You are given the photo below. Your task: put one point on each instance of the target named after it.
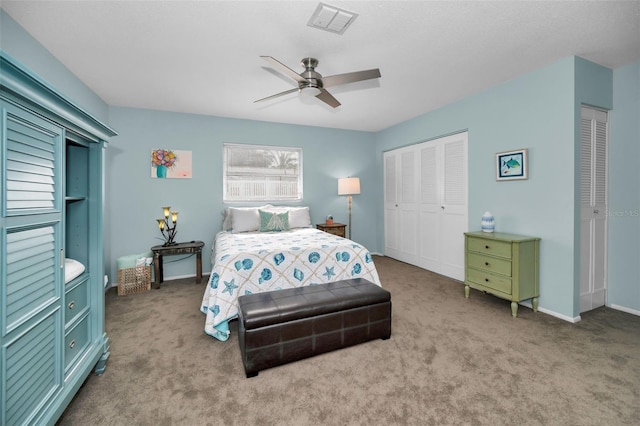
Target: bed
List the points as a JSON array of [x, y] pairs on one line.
[[247, 260]]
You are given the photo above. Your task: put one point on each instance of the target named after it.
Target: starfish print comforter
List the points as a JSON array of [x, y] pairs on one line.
[[252, 262]]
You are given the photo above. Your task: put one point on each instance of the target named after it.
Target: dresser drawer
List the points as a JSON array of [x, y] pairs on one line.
[[75, 342], [490, 281], [489, 264], [492, 247], [76, 300]]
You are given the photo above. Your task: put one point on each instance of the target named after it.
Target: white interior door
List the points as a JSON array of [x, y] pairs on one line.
[[430, 207], [454, 209], [425, 225], [594, 136], [391, 201], [401, 211]]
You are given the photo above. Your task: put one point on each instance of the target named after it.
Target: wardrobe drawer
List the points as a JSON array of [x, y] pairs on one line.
[[75, 342], [488, 246], [76, 300], [489, 264], [490, 281]]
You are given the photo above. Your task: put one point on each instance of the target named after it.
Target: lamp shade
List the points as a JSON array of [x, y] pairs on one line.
[[348, 186]]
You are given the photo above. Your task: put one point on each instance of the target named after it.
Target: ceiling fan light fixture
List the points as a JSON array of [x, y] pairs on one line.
[[311, 83], [310, 91]]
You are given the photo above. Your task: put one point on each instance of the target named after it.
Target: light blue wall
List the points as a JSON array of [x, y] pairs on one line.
[[624, 191], [22, 46], [536, 111], [135, 199]]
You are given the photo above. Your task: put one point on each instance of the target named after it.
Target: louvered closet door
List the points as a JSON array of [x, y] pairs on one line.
[[391, 221], [401, 205], [443, 204], [594, 130], [430, 215], [31, 293], [454, 208]]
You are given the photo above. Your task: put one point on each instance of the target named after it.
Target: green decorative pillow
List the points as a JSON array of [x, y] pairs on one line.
[[273, 221]]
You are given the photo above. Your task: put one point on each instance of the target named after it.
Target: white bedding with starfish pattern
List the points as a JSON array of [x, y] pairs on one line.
[[253, 262]]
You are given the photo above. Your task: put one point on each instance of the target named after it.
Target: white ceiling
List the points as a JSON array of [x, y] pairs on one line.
[[203, 57]]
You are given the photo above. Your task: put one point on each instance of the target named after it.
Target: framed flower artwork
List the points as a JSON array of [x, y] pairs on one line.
[[512, 165], [170, 164]]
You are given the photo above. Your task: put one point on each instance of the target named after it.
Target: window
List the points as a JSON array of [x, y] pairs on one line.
[[261, 173]]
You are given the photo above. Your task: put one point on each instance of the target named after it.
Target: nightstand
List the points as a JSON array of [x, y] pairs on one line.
[[505, 265], [194, 247], [338, 229]]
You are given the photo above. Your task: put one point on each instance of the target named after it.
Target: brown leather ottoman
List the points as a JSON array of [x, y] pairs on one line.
[[282, 326]]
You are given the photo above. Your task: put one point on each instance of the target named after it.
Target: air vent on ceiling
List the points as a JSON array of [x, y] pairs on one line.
[[331, 18]]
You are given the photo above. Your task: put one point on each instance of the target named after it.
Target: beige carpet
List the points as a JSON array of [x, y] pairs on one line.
[[450, 361]]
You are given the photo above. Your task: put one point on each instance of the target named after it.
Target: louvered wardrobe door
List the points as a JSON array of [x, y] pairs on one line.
[[31, 293]]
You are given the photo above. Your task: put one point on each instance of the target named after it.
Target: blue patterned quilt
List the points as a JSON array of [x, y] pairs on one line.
[[253, 262]]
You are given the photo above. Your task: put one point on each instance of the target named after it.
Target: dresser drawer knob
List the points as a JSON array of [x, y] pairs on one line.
[[487, 247], [486, 263], [72, 304], [486, 279], [72, 344]]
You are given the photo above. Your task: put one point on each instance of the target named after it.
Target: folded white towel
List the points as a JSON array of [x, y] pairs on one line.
[[72, 268]]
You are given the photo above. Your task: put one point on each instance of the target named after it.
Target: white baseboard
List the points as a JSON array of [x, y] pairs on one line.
[[561, 316], [578, 318], [625, 309]]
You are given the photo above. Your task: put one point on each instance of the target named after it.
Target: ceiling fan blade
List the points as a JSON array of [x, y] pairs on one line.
[[284, 69], [350, 77], [286, 92], [328, 98]]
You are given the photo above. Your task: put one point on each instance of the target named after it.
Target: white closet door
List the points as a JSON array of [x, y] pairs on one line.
[[429, 207], [391, 204], [426, 223], [593, 200], [454, 206], [401, 212], [408, 206]]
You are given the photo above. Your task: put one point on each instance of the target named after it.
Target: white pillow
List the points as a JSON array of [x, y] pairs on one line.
[[227, 222], [299, 217], [244, 220]]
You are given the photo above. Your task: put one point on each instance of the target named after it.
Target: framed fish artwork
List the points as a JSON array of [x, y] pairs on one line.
[[512, 165]]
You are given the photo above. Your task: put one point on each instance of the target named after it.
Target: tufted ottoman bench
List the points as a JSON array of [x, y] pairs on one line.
[[282, 326]]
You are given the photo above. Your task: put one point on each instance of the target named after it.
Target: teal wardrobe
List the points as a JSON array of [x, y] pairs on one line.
[[52, 333]]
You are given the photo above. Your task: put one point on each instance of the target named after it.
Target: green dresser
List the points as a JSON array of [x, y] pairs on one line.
[[505, 265]]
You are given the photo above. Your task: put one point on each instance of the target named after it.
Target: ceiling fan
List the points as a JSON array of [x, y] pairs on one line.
[[312, 83]]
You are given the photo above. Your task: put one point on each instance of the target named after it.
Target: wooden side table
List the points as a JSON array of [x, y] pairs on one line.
[[338, 229], [181, 248]]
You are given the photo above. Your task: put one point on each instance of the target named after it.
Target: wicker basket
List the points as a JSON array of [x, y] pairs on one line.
[[134, 280]]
